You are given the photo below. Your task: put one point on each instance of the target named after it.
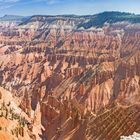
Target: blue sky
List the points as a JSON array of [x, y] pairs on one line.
[[79, 7]]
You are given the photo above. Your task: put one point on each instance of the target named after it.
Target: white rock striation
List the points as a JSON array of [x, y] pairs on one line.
[[135, 136]]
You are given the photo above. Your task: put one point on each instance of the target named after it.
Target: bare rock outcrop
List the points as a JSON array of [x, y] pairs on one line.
[[72, 82]]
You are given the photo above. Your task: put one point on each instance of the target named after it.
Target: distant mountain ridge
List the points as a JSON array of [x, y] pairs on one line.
[[13, 18], [10, 21], [82, 21], [88, 21], [110, 17]]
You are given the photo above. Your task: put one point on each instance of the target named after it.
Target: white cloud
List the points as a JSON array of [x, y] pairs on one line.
[[4, 4], [7, 3], [53, 1], [49, 1]]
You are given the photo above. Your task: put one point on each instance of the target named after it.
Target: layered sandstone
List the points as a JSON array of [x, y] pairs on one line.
[[73, 82]]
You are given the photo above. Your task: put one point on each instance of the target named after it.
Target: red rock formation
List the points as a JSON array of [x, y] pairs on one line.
[[70, 76]]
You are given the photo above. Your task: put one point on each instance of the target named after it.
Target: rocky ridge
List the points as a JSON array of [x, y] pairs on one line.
[[73, 81]]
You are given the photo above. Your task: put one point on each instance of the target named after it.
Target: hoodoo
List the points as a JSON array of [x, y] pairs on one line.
[[70, 77]]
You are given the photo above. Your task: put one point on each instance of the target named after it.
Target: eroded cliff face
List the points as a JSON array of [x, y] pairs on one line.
[[14, 123], [66, 79]]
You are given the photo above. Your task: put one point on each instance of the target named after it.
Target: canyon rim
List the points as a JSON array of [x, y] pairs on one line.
[[69, 77]]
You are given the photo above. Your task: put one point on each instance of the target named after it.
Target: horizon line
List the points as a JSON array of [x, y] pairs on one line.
[[69, 14]]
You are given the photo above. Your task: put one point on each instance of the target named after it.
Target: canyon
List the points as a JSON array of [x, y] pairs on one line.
[[68, 80]]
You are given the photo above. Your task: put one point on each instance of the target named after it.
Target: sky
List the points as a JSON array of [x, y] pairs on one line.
[[59, 7]]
